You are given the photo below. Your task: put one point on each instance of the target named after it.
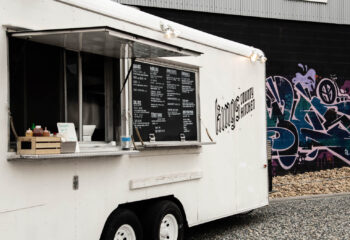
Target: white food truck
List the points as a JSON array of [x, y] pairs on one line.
[[165, 125]]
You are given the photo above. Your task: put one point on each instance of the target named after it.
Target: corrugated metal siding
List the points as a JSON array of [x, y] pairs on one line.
[[335, 11]]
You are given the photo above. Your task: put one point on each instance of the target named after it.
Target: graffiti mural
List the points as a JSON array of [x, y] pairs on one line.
[[308, 120]]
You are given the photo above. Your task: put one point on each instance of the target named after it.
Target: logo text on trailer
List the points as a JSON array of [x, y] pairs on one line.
[[230, 113]]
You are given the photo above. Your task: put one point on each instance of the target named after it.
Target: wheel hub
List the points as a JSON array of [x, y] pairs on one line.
[[125, 232], [169, 228]]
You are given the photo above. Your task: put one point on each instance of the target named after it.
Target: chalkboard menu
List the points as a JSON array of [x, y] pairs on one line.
[[164, 102]]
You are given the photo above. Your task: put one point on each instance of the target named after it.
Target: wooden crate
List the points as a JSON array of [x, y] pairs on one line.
[[38, 145]]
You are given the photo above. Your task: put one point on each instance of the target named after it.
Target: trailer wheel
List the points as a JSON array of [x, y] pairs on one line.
[[123, 225], [164, 221]]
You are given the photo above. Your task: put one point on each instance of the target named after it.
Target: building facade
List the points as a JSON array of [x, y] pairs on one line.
[[308, 69]]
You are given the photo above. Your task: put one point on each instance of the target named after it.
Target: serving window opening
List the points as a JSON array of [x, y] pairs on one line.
[[45, 89], [78, 76]]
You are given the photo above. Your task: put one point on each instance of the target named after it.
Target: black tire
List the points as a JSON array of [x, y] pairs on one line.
[[154, 215], [118, 219]]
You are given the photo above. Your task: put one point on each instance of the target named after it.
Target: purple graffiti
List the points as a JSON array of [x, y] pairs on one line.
[[308, 80], [308, 119]]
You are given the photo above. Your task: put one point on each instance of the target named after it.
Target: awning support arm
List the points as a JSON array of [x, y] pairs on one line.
[[127, 76]]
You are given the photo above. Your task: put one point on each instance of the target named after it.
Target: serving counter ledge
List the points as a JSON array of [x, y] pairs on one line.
[[15, 157], [175, 144]]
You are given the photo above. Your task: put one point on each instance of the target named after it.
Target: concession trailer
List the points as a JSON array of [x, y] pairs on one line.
[[150, 126]]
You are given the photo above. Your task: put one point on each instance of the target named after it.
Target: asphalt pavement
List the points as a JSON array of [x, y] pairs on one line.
[[322, 217]]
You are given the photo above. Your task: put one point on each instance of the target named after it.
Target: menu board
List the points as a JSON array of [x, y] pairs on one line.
[[164, 102]]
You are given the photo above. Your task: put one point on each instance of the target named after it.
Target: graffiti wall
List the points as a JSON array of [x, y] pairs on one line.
[[308, 121]]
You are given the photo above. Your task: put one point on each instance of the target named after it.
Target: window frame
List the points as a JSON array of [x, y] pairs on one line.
[[121, 124]]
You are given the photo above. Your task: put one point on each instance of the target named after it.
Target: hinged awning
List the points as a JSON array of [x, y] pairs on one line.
[[105, 41]]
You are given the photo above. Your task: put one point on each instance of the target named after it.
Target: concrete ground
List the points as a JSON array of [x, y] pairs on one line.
[[309, 217]]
